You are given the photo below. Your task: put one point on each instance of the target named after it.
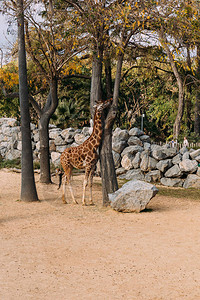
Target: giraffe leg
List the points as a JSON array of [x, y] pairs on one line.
[[85, 183], [63, 191], [71, 191], [91, 183], [69, 174]]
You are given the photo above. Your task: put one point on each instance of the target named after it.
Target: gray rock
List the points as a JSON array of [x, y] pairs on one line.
[[169, 152], [134, 140], [186, 155], [117, 159], [183, 150], [53, 133], [195, 153], [192, 180], [80, 138], [133, 196], [197, 158], [163, 165], [60, 148], [55, 157], [176, 182], [173, 172], [152, 163], [67, 132], [13, 154], [59, 141], [120, 135], [144, 162], [136, 131], [132, 150], [198, 171], [159, 154], [126, 161], [153, 176], [86, 131], [145, 138], [177, 159], [188, 166], [147, 146], [156, 147], [118, 146], [120, 171], [133, 174], [136, 160]]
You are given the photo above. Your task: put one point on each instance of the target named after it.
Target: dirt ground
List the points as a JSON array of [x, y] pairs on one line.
[[49, 250]]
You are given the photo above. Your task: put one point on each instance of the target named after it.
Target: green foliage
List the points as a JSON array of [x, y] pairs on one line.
[[74, 105], [14, 163]]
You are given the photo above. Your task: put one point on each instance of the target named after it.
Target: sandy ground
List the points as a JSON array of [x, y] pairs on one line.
[[49, 250]]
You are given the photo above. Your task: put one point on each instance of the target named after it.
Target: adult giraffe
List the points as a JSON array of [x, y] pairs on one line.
[[84, 156]]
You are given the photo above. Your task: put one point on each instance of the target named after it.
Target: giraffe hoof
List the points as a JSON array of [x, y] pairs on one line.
[[91, 203], [84, 204]]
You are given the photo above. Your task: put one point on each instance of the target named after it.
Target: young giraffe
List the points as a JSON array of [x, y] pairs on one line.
[[84, 156]]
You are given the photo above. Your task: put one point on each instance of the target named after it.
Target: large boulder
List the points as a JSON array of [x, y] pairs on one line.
[[173, 172], [120, 135], [188, 166], [195, 153], [192, 180], [133, 196], [132, 150], [126, 161], [163, 165], [133, 174], [134, 140], [80, 138], [136, 131], [158, 154], [136, 160], [176, 182], [177, 159], [153, 176], [55, 157], [118, 146]]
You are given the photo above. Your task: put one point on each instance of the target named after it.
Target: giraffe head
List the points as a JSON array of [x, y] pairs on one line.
[[101, 105]]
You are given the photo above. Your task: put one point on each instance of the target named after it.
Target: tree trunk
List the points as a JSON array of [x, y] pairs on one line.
[[45, 174], [96, 88], [179, 116], [197, 103], [108, 175], [28, 188], [109, 178], [49, 109], [108, 77]]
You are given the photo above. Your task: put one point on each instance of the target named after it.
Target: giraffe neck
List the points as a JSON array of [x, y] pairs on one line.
[[96, 135]]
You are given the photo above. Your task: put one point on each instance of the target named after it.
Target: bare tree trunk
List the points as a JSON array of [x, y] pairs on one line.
[[197, 103], [96, 88], [28, 188], [109, 178], [179, 116], [108, 77], [49, 109]]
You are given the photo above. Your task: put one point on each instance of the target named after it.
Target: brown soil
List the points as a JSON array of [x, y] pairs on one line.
[[49, 250]]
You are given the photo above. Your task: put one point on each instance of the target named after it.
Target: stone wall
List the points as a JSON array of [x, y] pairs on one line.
[[134, 155]]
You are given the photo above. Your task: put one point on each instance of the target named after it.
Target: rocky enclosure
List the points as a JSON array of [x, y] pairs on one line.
[[135, 156]]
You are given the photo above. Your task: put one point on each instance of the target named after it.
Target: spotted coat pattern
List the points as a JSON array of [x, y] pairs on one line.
[[84, 156]]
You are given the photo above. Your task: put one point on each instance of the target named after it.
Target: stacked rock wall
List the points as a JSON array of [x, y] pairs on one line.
[[134, 155]]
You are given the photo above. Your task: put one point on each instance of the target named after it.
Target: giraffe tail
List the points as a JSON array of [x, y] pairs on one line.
[[60, 174]]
